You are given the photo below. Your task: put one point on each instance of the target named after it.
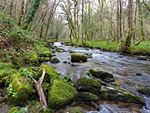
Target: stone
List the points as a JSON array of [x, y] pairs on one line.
[[145, 91], [76, 110], [78, 57], [37, 107], [120, 94], [60, 94], [105, 76], [88, 85], [55, 60], [86, 96]]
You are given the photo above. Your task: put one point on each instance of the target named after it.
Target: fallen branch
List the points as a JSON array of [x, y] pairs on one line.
[[137, 43], [38, 86]]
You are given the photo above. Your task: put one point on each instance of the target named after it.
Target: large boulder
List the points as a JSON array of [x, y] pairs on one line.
[[76, 110], [37, 107], [120, 94], [78, 57], [60, 93], [18, 91], [88, 85], [43, 59], [145, 91], [86, 96], [50, 74], [105, 76]]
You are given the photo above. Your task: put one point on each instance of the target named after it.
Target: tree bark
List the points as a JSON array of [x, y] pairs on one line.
[[38, 86]]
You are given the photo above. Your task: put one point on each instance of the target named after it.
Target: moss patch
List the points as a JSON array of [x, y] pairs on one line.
[[86, 96], [37, 107], [46, 54], [76, 110], [50, 75], [145, 91], [31, 58], [18, 90], [60, 94]]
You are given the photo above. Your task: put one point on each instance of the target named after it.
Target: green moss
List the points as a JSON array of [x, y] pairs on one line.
[[78, 57], [50, 75], [105, 76], [88, 85], [18, 90], [120, 94], [60, 94], [37, 107], [46, 54], [145, 91], [76, 110], [31, 58], [86, 96], [13, 110], [43, 59], [55, 60]]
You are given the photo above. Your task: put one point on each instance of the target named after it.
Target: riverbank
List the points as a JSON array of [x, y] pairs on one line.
[[142, 49]]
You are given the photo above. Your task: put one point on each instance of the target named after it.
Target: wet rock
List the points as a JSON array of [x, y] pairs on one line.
[[65, 62], [88, 85], [89, 55], [139, 74], [46, 54], [72, 52], [76, 110], [55, 60], [142, 58], [86, 96], [37, 107], [105, 76], [78, 58], [86, 49], [2, 99], [145, 91], [120, 94], [43, 59], [60, 94]]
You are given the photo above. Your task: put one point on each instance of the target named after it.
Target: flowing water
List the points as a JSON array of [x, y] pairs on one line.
[[129, 72]]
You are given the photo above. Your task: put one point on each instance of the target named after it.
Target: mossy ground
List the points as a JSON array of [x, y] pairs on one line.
[[142, 49]]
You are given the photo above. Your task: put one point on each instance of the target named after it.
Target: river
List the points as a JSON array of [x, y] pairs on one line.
[[129, 73]]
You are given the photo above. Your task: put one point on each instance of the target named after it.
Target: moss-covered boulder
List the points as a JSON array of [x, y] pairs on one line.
[[50, 74], [120, 94], [88, 85], [37, 107], [78, 57], [145, 91], [60, 93], [55, 60], [86, 96], [43, 59], [46, 54], [76, 110], [31, 58], [18, 90], [105, 76]]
